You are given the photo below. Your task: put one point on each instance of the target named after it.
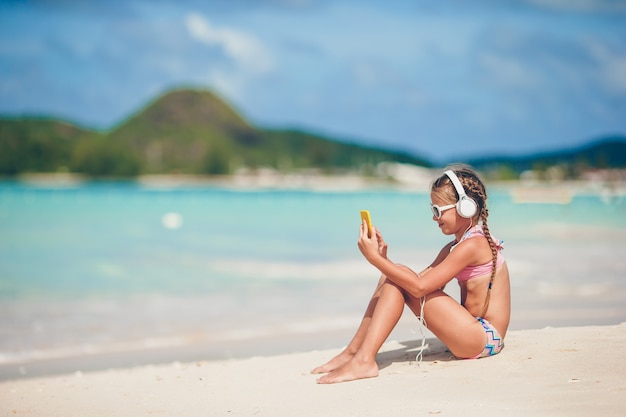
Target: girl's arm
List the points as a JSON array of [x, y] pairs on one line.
[[445, 267]]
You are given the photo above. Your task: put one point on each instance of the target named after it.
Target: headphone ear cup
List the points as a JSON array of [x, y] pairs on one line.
[[466, 207]]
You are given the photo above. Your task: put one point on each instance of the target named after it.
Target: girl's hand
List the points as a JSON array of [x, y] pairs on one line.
[[382, 245], [371, 246]]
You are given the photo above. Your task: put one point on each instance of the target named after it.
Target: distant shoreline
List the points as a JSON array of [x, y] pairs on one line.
[[522, 191]]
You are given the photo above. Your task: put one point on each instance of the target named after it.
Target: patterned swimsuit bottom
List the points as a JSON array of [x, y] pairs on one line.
[[494, 341]]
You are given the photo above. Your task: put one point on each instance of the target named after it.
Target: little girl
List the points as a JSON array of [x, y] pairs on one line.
[[473, 328]]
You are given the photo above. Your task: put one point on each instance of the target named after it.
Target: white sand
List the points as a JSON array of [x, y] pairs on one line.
[[577, 371]]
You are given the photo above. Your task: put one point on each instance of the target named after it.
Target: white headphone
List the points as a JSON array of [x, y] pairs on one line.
[[466, 207]]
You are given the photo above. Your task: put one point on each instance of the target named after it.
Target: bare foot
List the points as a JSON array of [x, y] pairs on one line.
[[351, 371], [336, 362]]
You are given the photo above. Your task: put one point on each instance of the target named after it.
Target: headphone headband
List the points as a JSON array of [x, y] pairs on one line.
[[457, 184], [466, 207]]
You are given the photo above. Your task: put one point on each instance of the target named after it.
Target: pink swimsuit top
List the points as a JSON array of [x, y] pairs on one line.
[[472, 271]]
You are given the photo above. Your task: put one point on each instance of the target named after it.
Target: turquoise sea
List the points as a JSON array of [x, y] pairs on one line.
[[105, 268]]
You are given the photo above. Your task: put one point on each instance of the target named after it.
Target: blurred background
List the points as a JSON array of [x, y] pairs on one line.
[[443, 80], [181, 180]]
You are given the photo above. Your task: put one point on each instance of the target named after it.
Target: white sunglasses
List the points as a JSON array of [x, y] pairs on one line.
[[438, 211]]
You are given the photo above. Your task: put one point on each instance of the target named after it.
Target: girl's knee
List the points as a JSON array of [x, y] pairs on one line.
[[382, 280]]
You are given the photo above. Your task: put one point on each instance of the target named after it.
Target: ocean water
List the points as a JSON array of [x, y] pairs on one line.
[[116, 267]]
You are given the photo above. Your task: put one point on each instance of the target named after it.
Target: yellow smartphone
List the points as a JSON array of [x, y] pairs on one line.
[[365, 215]]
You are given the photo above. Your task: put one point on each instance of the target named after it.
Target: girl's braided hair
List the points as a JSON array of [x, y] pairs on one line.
[[475, 189]]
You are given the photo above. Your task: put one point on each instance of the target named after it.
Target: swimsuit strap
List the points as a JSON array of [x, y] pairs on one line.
[[473, 231], [477, 231]]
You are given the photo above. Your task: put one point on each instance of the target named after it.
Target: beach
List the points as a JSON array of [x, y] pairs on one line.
[[125, 299], [567, 371]]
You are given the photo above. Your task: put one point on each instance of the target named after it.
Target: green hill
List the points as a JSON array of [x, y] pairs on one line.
[[604, 153], [195, 132], [38, 145], [183, 131]]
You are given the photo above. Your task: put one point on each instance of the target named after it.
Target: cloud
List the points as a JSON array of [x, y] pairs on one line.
[[611, 67], [245, 50], [236, 59], [507, 71]]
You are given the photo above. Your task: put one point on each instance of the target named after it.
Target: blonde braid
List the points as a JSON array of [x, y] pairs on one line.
[[494, 253], [476, 190]]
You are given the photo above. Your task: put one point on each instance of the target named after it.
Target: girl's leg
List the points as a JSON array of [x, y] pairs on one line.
[[357, 340], [451, 323], [385, 315]]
